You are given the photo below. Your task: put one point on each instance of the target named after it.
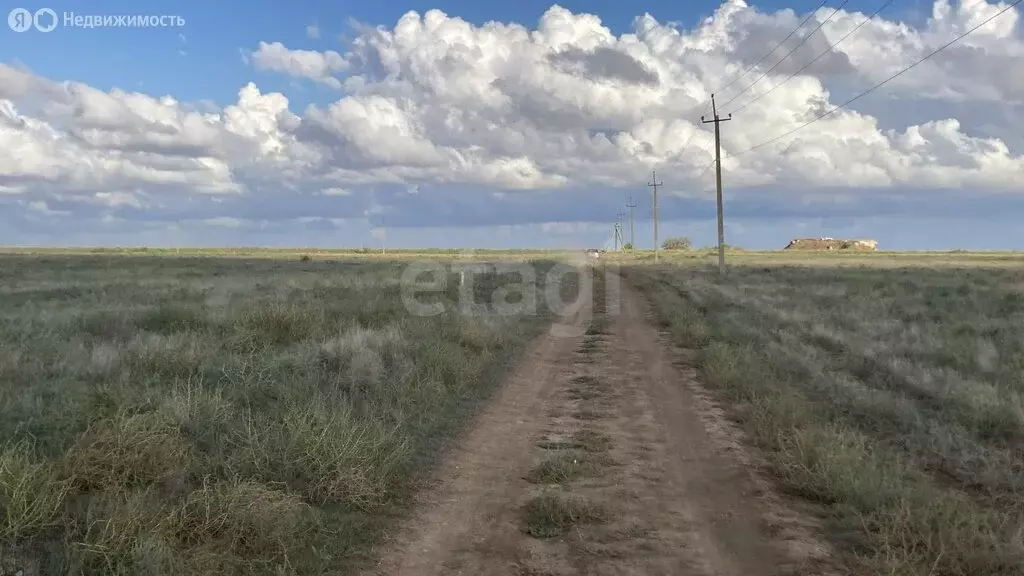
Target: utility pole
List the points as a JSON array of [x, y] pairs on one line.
[[632, 240], [718, 182], [654, 184], [618, 228]]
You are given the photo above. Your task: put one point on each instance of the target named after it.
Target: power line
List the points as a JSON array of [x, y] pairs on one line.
[[880, 84], [788, 36], [788, 54], [818, 57], [706, 106], [709, 165], [747, 71]]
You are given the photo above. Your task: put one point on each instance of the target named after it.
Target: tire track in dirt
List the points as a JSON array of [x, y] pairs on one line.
[[696, 483], [469, 522], [680, 495]]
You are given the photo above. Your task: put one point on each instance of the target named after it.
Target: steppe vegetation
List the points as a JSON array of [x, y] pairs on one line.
[[888, 389], [273, 412], [204, 415]]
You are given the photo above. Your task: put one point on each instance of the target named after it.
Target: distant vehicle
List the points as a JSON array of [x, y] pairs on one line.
[[593, 252]]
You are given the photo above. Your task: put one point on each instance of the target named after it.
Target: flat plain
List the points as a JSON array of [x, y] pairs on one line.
[[202, 415], [282, 412], [887, 389]]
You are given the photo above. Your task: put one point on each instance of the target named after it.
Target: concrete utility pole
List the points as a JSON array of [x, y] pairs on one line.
[[618, 228], [654, 184], [718, 182], [632, 240]]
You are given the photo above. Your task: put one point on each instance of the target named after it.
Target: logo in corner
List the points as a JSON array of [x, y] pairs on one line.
[[45, 25], [20, 20]]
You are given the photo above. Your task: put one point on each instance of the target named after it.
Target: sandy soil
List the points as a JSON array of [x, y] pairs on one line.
[[682, 496]]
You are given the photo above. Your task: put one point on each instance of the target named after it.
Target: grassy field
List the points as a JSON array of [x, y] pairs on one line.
[[886, 388], [813, 258], [310, 253], [202, 415]]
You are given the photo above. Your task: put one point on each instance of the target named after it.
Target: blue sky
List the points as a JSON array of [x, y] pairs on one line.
[[215, 32], [931, 163]]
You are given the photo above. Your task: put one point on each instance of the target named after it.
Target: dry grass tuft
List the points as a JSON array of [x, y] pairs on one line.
[[32, 493], [563, 466], [552, 513], [242, 523], [127, 451]]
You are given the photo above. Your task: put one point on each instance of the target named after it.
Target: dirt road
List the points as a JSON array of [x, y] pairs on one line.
[[652, 480]]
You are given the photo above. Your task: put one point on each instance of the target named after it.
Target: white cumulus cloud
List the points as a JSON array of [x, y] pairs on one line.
[[435, 101], [318, 66]]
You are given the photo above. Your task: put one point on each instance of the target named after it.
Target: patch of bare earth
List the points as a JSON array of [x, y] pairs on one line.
[[665, 483]]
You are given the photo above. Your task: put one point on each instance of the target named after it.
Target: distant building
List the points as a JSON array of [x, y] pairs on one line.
[[831, 244], [869, 244]]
